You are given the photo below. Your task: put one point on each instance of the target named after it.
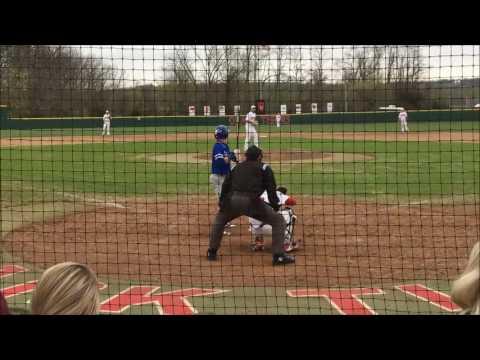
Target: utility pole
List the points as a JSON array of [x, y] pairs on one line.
[[345, 90], [345, 96]]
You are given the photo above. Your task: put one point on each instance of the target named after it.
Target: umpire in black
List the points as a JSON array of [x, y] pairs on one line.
[[240, 195]]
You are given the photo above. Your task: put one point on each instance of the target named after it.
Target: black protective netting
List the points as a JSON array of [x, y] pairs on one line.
[[376, 147]]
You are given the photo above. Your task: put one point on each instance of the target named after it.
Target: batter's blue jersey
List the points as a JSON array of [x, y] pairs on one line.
[[219, 166]]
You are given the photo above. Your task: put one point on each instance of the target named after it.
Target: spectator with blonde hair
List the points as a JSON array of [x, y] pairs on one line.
[[66, 289], [466, 289]]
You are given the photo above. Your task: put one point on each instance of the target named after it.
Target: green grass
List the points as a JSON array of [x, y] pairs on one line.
[[371, 127], [33, 177], [398, 168]]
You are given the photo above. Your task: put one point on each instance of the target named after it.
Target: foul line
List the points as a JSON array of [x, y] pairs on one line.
[[112, 204], [415, 203]]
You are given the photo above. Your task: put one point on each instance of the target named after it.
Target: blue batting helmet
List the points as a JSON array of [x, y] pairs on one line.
[[221, 132]]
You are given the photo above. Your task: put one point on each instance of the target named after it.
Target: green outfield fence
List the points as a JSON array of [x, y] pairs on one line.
[[7, 122], [387, 207]]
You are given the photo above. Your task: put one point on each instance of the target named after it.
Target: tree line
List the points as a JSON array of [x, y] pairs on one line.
[[44, 80], [41, 80]]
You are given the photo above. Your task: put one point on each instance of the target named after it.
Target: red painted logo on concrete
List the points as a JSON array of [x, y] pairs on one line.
[[19, 289], [436, 298], [9, 269], [167, 303], [346, 301]]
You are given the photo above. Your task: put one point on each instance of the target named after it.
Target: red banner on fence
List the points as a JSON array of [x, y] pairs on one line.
[[260, 106]]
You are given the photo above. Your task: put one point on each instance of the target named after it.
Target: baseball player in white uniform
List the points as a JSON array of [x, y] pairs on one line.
[[251, 135], [278, 118], [402, 117], [107, 118], [260, 229]]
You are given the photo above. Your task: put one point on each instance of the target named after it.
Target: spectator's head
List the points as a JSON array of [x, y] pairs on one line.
[[466, 289], [253, 153], [66, 289], [282, 189]]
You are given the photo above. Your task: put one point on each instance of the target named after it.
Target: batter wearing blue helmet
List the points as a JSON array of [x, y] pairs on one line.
[[221, 160], [221, 157]]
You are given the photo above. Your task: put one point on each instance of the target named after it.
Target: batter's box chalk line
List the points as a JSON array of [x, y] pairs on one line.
[[90, 200]]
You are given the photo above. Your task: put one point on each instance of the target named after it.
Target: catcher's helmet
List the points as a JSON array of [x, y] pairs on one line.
[[221, 132]]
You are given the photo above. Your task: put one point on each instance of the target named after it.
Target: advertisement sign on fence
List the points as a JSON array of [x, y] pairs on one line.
[[314, 108], [221, 110], [298, 108], [283, 109], [206, 110], [329, 107], [191, 110], [236, 109]]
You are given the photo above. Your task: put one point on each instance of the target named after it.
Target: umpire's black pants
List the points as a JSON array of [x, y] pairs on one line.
[[238, 204]]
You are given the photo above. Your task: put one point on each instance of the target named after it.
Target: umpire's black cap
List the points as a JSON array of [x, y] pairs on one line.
[[253, 153]]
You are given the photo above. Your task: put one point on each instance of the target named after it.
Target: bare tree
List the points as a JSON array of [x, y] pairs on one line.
[[231, 73], [54, 80], [255, 68], [391, 59], [402, 64], [408, 73], [363, 64], [181, 65], [376, 64], [318, 75], [211, 60], [279, 53], [279, 74], [248, 60]]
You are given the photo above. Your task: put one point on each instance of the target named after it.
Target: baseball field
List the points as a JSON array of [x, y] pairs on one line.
[[386, 219]]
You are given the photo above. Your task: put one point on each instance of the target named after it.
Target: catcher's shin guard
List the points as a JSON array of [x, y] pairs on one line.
[[290, 244]]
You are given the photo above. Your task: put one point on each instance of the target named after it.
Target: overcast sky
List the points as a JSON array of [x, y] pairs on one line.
[[145, 64]]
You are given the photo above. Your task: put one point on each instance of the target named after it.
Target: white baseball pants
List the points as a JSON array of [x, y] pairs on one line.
[[217, 181], [106, 128], [251, 138]]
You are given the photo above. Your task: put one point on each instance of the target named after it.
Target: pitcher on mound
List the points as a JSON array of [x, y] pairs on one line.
[[251, 124]]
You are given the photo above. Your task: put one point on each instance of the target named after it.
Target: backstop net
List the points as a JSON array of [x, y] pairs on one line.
[[375, 149]]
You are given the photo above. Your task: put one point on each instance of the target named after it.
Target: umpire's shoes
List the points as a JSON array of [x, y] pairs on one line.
[[283, 259], [212, 254]]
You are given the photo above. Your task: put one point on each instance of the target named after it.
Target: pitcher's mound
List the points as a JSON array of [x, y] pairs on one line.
[[288, 156]]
